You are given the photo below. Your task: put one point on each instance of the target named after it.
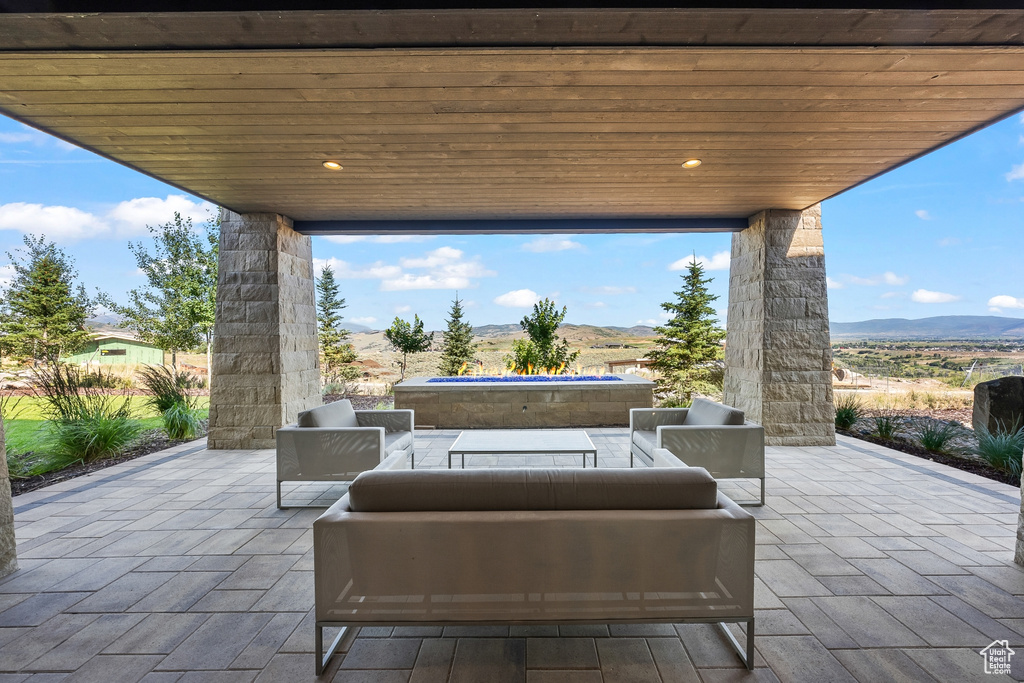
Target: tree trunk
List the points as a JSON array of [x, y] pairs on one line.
[[174, 360]]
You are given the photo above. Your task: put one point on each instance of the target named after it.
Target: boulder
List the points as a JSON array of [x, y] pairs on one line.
[[998, 404]]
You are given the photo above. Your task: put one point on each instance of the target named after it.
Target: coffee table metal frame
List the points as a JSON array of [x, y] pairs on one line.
[[522, 442]]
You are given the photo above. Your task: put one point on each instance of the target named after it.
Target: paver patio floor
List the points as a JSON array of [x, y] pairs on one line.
[[871, 565]]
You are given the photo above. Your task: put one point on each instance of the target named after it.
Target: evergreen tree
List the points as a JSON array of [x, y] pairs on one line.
[[542, 352], [42, 319], [175, 310], [691, 339], [459, 348], [335, 348], [408, 338]]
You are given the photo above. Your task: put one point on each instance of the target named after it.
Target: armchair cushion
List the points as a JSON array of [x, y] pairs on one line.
[[337, 414], [397, 441], [645, 440], [705, 412]]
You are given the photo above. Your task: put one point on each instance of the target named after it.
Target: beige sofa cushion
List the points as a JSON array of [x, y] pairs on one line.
[[682, 488], [338, 415], [705, 412]]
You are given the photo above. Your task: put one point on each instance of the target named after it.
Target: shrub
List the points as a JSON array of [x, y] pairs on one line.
[[886, 424], [106, 380], [848, 410], [935, 435], [1003, 448], [67, 398], [167, 387], [182, 422], [92, 437]]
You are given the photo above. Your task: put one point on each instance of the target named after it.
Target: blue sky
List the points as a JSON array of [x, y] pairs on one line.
[[939, 236]]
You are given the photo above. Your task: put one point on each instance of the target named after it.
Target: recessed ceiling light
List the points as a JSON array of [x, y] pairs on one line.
[[691, 163], [335, 166]]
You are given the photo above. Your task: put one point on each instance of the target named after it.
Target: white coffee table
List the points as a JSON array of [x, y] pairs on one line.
[[522, 442]]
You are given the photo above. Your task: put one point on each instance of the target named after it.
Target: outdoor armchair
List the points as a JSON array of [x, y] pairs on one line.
[[708, 434], [333, 442]]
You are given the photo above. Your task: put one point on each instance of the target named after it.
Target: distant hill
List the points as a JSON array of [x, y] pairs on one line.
[[938, 327], [567, 331]]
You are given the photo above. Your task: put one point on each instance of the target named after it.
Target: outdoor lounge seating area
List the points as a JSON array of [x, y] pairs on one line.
[[870, 565], [333, 442], [707, 434], [530, 547]]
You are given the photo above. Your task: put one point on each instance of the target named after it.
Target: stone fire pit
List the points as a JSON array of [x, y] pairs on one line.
[[476, 402]]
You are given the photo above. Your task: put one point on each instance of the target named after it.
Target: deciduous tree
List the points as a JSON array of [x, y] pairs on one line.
[[175, 309], [408, 338], [542, 352]]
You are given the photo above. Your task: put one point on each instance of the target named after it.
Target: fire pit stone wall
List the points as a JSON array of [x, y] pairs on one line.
[[517, 404]]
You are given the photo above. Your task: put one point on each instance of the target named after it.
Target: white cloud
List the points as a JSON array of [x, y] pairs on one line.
[[1016, 173], [403, 309], [833, 284], [59, 223], [596, 304], [129, 218], [409, 281], [923, 214], [894, 279], [650, 322], [608, 289], [14, 138], [924, 296], [518, 298], [888, 278], [949, 241], [364, 320], [546, 244], [433, 259], [445, 268], [892, 295], [1006, 301], [344, 269], [132, 217], [720, 261]]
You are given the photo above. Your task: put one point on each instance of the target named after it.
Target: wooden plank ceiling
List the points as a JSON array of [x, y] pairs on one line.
[[477, 133]]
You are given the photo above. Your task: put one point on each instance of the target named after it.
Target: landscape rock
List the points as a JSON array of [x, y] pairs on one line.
[[999, 404]]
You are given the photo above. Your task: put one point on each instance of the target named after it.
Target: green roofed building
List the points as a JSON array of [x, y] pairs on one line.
[[117, 348]]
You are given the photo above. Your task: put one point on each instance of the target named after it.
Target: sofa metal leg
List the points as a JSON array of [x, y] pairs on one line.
[[322, 659], [279, 495], [762, 491], [746, 653]]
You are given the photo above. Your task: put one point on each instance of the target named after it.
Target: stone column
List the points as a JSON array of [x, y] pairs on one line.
[[266, 366], [8, 551], [778, 359], [1018, 554]]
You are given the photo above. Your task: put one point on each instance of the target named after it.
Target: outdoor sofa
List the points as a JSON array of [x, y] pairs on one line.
[[533, 546], [333, 442], [707, 434]]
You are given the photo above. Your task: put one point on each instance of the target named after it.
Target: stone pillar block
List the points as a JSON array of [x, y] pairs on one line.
[[778, 355], [265, 361], [8, 550]]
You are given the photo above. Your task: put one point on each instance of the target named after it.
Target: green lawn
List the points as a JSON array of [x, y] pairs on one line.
[[26, 433]]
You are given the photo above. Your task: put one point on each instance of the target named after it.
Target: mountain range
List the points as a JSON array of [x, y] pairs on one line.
[[938, 327]]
